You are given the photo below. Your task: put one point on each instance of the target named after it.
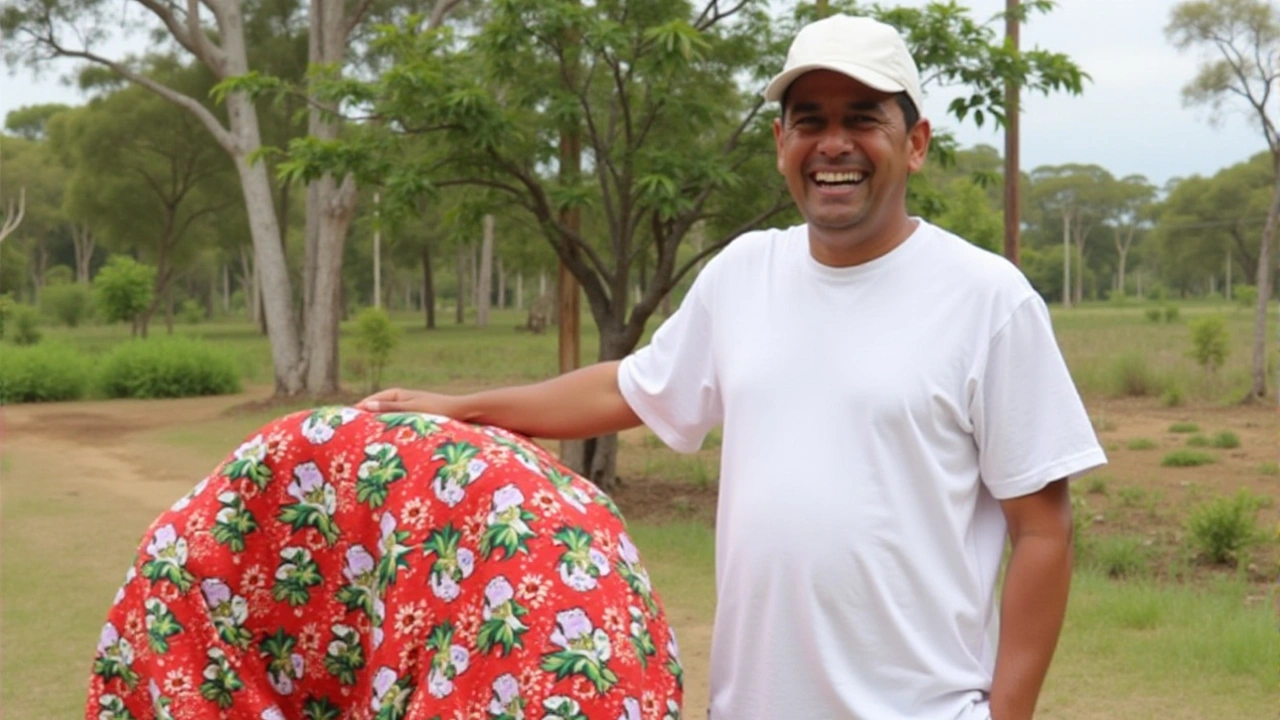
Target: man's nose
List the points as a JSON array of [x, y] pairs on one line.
[[835, 141]]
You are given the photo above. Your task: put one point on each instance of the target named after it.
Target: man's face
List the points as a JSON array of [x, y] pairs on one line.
[[845, 152]]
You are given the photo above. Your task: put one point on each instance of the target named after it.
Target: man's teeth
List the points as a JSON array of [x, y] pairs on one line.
[[843, 177]]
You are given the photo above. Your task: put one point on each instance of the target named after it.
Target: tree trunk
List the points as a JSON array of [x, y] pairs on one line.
[[519, 291], [1066, 260], [226, 288], [428, 287], [483, 289], [1258, 390], [460, 311], [501, 299], [82, 244]]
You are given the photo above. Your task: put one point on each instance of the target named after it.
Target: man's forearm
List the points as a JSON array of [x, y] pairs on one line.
[[1032, 609], [580, 404]]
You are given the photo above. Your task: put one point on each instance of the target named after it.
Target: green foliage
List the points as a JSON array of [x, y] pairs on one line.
[[124, 288], [1132, 376], [1187, 458], [190, 312], [1198, 441], [1153, 314], [1246, 296], [71, 303], [1269, 468], [167, 368], [1142, 444], [26, 325], [1225, 440], [1119, 556], [7, 307], [1096, 485], [1172, 396], [46, 373], [376, 338], [1170, 313], [1184, 427], [1222, 529], [1131, 496], [1210, 342]]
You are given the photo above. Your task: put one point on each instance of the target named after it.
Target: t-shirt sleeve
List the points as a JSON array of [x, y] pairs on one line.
[[1030, 424], [671, 382]]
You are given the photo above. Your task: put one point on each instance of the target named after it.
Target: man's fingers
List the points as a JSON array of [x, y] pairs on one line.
[[385, 401]]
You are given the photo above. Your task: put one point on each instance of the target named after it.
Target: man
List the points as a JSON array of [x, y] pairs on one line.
[[893, 402]]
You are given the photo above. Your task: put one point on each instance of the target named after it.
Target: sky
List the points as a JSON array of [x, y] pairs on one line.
[[1129, 120]]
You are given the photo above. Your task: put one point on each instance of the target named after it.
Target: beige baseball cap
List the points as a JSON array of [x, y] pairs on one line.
[[866, 50]]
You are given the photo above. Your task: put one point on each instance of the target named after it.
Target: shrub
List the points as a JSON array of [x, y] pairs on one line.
[[190, 312], [1172, 396], [1119, 556], [1210, 342], [1142, 444], [167, 368], [1170, 313], [1153, 314], [1198, 441], [7, 306], [1246, 296], [1131, 376], [1269, 467], [1186, 458], [1223, 528], [1226, 440], [376, 337], [41, 374], [70, 304], [1184, 427], [1131, 496], [26, 325], [124, 289], [1096, 485]]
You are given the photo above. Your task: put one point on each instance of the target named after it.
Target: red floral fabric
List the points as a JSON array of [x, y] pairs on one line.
[[347, 565]]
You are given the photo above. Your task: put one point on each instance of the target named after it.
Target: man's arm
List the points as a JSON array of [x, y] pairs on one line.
[[580, 404], [1035, 598]]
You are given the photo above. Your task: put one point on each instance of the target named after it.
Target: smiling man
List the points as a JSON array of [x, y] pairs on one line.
[[894, 406]]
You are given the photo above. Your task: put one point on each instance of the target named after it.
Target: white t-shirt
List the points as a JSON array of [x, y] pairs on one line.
[[872, 416]]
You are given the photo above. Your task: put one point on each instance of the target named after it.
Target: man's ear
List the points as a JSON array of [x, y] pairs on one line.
[[918, 138]]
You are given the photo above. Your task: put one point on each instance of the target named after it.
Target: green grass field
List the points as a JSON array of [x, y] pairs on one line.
[[1135, 648]]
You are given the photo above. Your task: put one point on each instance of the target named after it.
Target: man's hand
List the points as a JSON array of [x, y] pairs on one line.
[[400, 400]]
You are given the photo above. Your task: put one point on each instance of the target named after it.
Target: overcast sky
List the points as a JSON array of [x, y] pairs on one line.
[[1129, 120]]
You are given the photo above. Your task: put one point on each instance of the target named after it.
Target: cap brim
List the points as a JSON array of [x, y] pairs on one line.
[[872, 79]]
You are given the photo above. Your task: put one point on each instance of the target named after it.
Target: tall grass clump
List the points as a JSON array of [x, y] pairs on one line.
[[1118, 556], [24, 324], [1132, 376], [1224, 528], [1187, 458], [167, 368], [70, 304], [41, 373]]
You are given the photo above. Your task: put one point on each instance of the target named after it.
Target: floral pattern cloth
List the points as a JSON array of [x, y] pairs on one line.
[[342, 564]]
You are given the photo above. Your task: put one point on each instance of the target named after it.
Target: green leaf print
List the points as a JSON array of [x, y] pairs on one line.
[[296, 573], [567, 662], [161, 625], [257, 472], [220, 681], [394, 557], [233, 522], [320, 709], [499, 633], [562, 707], [422, 425], [278, 646], [113, 708], [299, 516], [382, 466], [344, 657], [507, 538], [114, 667]]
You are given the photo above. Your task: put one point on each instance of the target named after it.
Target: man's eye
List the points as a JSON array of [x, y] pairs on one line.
[[809, 121]]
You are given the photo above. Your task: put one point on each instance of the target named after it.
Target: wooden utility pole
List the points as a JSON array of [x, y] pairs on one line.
[[1012, 163]]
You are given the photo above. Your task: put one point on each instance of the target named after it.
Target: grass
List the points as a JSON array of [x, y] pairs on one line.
[[1142, 444], [1187, 458], [1184, 427]]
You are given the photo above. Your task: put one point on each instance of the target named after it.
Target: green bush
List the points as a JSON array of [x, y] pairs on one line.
[[1223, 528], [26, 325], [1246, 296], [1172, 396], [1198, 440], [69, 304], [1142, 444], [167, 368], [1119, 556], [190, 312], [1154, 314], [1226, 440], [124, 288], [1210, 342], [1186, 458], [376, 337], [41, 374], [7, 307], [1170, 313], [1132, 376], [1184, 427]]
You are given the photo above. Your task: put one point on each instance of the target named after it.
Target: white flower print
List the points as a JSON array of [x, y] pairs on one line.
[[506, 694], [630, 709]]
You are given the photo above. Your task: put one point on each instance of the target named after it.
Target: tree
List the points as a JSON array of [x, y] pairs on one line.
[[1242, 65], [31, 121], [1077, 194], [124, 289], [1131, 200], [674, 132], [147, 193]]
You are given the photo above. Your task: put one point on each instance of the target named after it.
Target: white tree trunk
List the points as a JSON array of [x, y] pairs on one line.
[[501, 298], [1066, 260], [519, 291]]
